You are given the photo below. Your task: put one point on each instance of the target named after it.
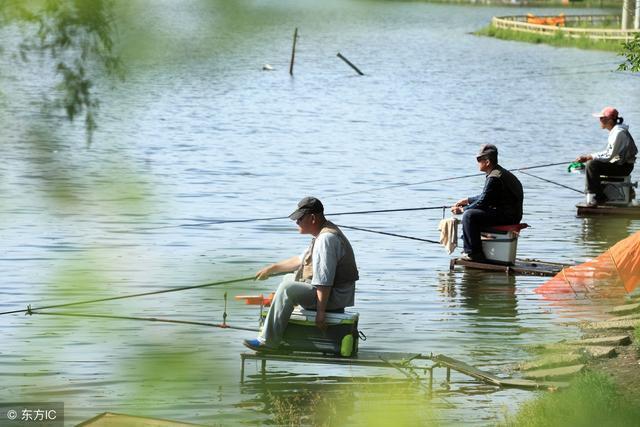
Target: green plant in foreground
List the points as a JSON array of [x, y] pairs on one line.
[[592, 399]]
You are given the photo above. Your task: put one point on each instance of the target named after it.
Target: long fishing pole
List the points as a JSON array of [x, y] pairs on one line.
[[430, 181], [388, 234], [147, 319], [163, 291], [224, 221], [553, 182]]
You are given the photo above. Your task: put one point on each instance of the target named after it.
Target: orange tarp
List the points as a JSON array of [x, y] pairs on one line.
[[558, 21], [617, 270]]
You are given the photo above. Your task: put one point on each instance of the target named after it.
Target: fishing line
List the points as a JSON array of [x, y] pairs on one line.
[[148, 319], [388, 234], [164, 291], [553, 182], [406, 184]]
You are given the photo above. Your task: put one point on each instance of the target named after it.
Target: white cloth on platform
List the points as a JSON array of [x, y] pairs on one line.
[[449, 233]]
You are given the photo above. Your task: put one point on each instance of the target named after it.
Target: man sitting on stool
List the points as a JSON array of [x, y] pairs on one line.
[[499, 204], [325, 277], [617, 159]]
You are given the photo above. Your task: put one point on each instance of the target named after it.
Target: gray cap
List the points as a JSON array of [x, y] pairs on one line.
[[306, 206], [487, 150]]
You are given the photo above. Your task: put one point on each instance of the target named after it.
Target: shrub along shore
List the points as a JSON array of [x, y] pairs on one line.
[[557, 40]]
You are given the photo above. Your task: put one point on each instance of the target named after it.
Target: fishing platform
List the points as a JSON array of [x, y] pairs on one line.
[[527, 267], [632, 211], [620, 194], [500, 244], [410, 364]]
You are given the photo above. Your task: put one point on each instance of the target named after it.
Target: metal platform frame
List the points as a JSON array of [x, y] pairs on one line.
[[529, 267], [403, 362]]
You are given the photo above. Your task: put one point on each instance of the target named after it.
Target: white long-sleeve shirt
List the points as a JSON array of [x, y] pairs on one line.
[[618, 149]]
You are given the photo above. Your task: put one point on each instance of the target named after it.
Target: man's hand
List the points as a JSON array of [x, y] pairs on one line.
[[457, 209], [264, 273], [584, 158]]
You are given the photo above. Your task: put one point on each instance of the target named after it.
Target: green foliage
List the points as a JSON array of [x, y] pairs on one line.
[[631, 52], [362, 404], [591, 400], [77, 37], [558, 39]]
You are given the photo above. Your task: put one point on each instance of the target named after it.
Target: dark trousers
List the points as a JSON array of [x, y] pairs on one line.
[[596, 168], [474, 220]]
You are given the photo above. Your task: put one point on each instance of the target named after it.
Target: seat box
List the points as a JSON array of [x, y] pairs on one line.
[[302, 334], [617, 189], [500, 246]]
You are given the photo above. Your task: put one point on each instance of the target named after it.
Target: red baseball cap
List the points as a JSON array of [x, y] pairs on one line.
[[608, 112]]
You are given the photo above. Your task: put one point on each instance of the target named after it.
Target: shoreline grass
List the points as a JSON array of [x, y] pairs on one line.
[[592, 399], [556, 40]]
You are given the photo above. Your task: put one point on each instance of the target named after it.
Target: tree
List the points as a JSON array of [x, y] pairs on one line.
[[77, 36], [631, 52]]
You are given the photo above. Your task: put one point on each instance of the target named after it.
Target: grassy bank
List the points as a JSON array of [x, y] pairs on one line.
[[558, 39], [592, 400]]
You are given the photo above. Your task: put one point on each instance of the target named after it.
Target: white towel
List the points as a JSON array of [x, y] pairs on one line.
[[449, 233]]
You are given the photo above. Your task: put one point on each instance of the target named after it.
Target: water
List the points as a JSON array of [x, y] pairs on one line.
[[199, 132]]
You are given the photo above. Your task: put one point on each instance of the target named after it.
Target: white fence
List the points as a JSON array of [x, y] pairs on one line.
[[519, 23]]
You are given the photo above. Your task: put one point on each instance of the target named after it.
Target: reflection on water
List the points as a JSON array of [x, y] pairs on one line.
[[599, 233]]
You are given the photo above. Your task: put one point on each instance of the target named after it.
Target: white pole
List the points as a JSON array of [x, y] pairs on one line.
[[625, 14], [636, 18]]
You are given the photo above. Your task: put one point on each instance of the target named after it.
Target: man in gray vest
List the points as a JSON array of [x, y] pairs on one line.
[[325, 276]]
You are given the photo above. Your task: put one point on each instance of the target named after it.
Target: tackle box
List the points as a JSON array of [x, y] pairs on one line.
[[302, 334]]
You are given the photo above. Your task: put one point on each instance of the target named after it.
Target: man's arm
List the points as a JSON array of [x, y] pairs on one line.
[[285, 266], [489, 196]]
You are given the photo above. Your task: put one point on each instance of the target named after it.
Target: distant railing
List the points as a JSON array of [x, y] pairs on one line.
[[572, 29]]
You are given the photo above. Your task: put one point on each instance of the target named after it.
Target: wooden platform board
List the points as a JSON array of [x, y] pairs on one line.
[[608, 210], [530, 267]]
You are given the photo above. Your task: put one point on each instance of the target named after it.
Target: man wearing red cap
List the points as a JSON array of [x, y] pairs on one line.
[[617, 159]]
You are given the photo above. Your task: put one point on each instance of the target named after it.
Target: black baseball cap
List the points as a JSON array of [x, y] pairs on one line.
[[306, 206], [487, 151]]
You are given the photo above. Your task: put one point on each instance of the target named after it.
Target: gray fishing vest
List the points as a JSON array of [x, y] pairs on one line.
[[346, 269]]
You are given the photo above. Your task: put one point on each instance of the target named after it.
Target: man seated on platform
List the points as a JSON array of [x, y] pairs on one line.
[[618, 159], [324, 280], [499, 204]]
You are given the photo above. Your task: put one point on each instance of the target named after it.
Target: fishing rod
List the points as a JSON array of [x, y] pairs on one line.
[[225, 221], [553, 182], [163, 291], [388, 234], [430, 181], [147, 319]]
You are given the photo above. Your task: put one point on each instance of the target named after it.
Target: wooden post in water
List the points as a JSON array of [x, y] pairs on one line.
[[293, 51], [350, 64]]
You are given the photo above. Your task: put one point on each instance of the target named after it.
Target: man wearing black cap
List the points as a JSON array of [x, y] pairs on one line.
[[325, 275], [499, 204]]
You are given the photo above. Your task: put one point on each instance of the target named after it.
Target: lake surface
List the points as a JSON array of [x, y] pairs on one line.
[[198, 132]]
